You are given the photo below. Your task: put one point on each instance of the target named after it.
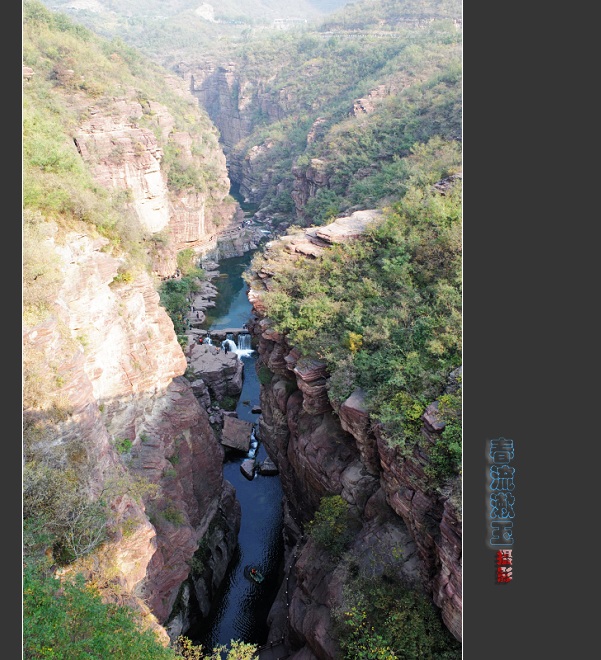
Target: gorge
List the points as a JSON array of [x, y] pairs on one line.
[[164, 209]]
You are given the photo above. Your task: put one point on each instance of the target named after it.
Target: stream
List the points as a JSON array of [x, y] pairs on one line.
[[241, 606]]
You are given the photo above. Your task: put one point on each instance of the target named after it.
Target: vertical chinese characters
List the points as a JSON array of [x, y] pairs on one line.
[[502, 503]]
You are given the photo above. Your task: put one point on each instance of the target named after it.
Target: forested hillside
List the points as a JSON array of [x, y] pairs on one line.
[[369, 100], [170, 30]]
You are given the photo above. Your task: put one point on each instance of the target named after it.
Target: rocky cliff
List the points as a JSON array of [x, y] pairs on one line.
[[111, 404], [236, 100], [320, 451], [124, 140]]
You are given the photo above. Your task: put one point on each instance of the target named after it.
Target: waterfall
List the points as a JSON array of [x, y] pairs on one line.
[[243, 349], [254, 444], [244, 342], [231, 345], [207, 340]]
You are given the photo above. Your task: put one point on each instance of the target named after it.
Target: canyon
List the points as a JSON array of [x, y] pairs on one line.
[[137, 410]]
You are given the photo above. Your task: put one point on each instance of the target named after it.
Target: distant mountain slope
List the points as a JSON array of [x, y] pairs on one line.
[[162, 29]]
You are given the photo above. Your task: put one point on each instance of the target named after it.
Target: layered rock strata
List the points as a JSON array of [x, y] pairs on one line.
[[117, 141], [322, 452], [110, 373]]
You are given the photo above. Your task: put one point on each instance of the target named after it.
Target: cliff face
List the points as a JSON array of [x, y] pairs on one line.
[[122, 141], [226, 98], [235, 101], [109, 362], [321, 452]]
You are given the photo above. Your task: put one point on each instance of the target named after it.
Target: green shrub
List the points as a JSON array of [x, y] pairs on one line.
[[228, 403], [123, 445], [174, 297], [264, 375], [446, 455], [187, 262], [332, 526], [67, 619], [383, 619], [173, 515]]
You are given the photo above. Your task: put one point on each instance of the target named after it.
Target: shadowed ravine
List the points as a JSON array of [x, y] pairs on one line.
[[241, 606]]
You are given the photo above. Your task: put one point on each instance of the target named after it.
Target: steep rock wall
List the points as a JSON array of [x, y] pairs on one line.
[[320, 452], [122, 141], [109, 369], [236, 101]]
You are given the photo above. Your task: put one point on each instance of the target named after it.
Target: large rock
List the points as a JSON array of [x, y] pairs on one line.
[[236, 433], [127, 385], [247, 468], [354, 418], [268, 467], [347, 228], [122, 153], [222, 372]]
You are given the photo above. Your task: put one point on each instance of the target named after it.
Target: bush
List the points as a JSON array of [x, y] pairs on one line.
[[173, 515], [383, 619], [67, 619], [228, 403], [238, 650], [264, 375], [446, 455], [123, 445], [332, 526], [58, 512], [187, 262], [174, 294]]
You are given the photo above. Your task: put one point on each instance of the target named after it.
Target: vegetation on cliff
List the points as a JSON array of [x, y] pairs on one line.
[[176, 293], [384, 310], [384, 620], [69, 619], [382, 616]]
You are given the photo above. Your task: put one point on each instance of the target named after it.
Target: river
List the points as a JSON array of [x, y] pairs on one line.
[[241, 606]]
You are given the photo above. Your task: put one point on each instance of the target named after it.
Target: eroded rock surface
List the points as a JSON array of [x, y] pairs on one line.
[[321, 451]]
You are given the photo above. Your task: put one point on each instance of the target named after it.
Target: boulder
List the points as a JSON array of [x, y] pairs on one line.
[[236, 433], [268, 467], [248, 468]]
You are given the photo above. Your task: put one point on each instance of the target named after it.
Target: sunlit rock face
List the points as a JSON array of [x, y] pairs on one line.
[[113, 367], [124, 155]]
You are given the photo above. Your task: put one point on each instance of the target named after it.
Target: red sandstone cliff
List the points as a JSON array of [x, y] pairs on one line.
[[321, 452], [109, 370], [123, 141]]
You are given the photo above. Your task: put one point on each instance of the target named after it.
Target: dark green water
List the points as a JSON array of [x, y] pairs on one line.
[[232, 309], [248, 208], [241, 606]]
